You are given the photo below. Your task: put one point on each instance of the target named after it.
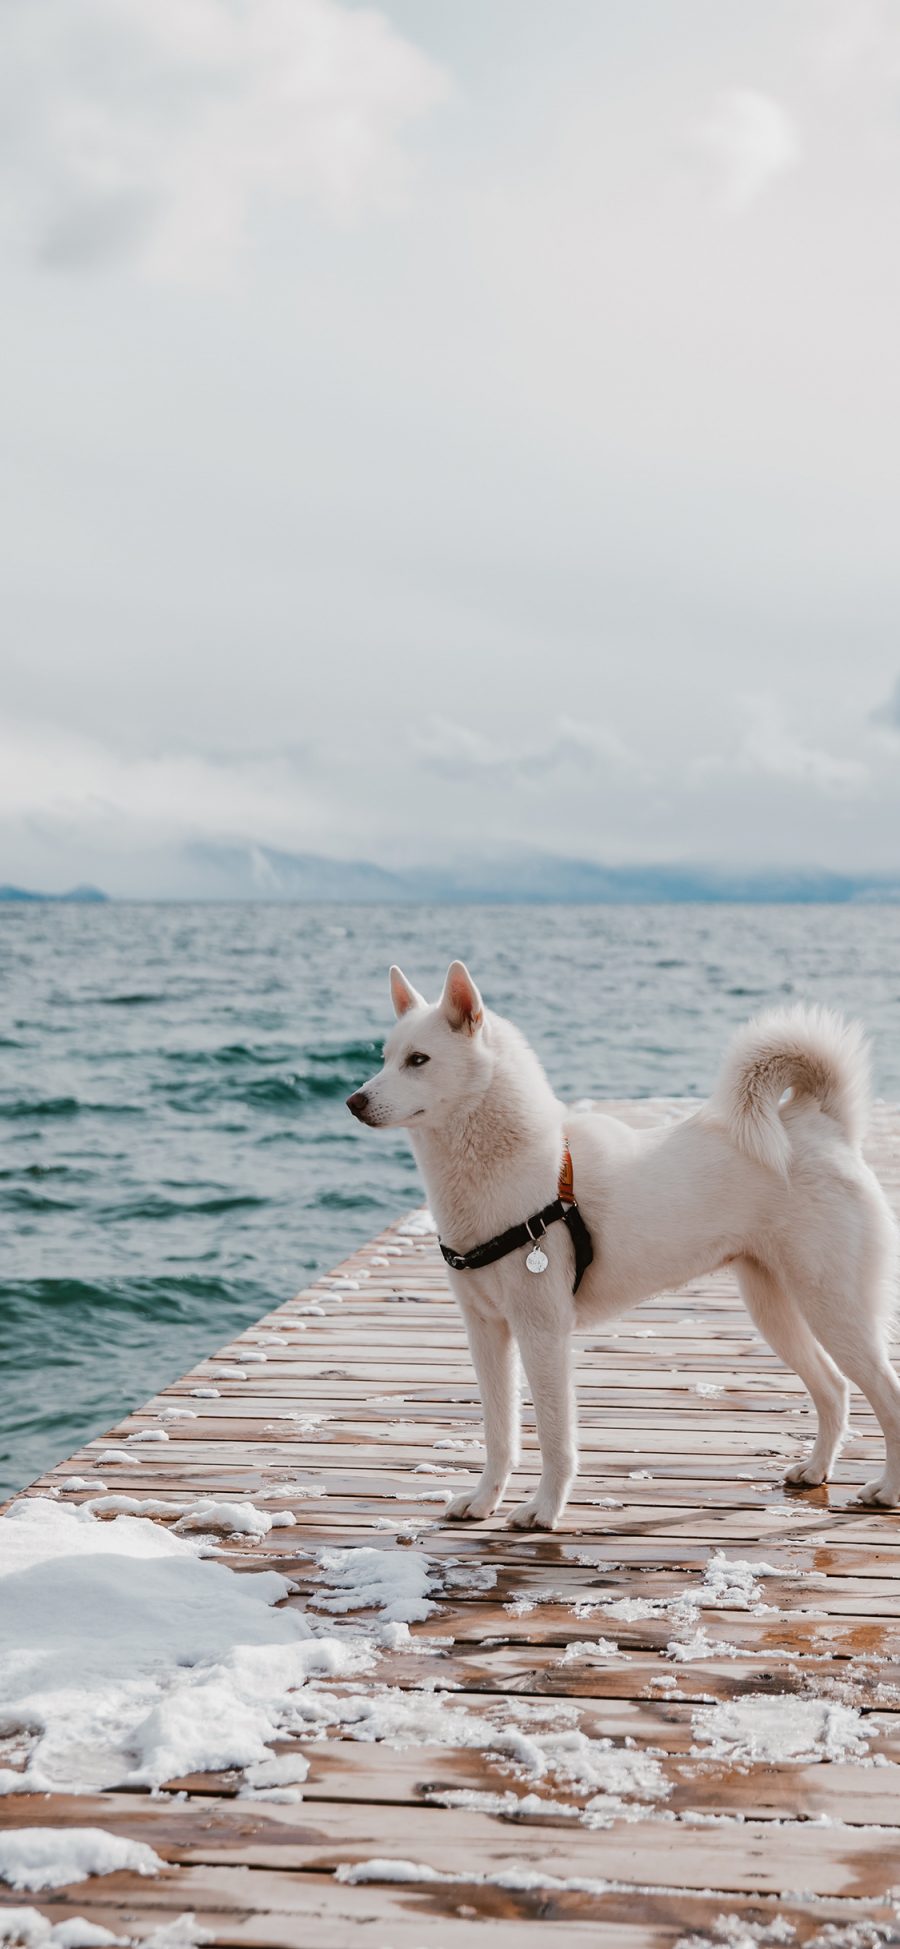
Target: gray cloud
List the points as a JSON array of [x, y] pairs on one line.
[[464, 751], [154, 130], [768, 747], [888, 713], [405, 456]]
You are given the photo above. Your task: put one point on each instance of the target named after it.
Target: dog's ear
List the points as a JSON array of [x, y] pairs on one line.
[[403, 994], [460, 1000]]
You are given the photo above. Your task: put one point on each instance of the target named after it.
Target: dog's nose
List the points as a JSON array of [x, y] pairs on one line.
[[358, 1103]]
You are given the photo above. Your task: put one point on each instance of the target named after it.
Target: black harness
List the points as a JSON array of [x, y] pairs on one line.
[[529, 1233]]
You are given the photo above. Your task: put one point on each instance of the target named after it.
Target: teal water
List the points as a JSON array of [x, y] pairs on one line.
[[175, 1155]]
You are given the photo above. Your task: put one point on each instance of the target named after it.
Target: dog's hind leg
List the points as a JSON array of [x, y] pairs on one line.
[[545, 1347], [782, 1324], [856, 1337], [496, 1365]]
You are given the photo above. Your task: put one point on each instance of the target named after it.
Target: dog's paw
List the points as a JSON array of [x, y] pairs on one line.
[[536, 1513], [471, 1507], [883, 1490], [807, 1475]]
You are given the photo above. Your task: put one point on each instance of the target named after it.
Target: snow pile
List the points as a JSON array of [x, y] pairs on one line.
[[381, 1870], [629, 1609], [160, 1662], [519, 1880], [509, 1803], [733, 1932], [54, 1857], [695, 1645], [276, 1779], [224, 1518], [591, 1648], [766, 1729], [396, 1582], [730, 1583], [234, 1518], [419, 1225], [26, 1928]]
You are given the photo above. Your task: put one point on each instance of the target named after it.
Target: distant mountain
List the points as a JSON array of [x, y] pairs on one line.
[[263, 873], [77, 894], [207, 870]]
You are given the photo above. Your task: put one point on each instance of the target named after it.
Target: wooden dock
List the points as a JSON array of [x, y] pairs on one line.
[[687, 1421]]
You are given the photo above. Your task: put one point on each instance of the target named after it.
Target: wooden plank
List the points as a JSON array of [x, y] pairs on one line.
[[687, 1420], [750, 1856]]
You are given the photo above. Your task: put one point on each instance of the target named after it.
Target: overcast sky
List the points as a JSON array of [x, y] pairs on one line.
[[457, 425]]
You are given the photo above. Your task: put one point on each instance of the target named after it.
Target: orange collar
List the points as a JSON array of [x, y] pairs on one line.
[[566, 1182]]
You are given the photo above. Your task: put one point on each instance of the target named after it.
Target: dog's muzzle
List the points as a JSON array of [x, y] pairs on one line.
[[358, 1105]]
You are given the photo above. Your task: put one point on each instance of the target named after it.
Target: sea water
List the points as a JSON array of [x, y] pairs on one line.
[[175, 1153]]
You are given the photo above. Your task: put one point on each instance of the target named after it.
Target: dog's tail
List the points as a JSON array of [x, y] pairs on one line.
[[809, 1052]]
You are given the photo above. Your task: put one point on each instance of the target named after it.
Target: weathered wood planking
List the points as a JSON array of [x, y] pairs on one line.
[[687, 1422]]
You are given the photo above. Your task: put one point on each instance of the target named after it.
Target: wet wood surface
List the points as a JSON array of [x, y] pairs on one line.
[[354, 1406]]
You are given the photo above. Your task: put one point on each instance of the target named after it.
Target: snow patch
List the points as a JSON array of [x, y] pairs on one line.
[[26, 1928], [396, 1582], [161, 1661], [420, 1224], [762, 1728], [233, 1518], [54, 1857]]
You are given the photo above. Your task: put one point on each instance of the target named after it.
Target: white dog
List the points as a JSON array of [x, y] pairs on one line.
[[767, 1176]]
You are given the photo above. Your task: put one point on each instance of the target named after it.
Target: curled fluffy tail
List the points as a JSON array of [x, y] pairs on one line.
[[810, 1052]]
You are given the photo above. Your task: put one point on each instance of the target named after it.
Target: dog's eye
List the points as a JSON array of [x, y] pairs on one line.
[[416, 1060]]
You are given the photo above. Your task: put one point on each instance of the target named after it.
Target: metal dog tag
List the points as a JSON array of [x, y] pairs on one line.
[[537, 1261]]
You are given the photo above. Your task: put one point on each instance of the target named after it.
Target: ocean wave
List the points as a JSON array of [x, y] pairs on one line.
[[293, 1090], [165, 1298], [297, 1088], [43, 1171], [137, 999], [20, 1197], [338, 1200], [155, 1207], [233, 1054], [306, 1072], [23, 1107], [347, 1052]]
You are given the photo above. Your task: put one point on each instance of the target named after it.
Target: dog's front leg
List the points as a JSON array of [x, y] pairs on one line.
[[545, 1347], [494, 1356]]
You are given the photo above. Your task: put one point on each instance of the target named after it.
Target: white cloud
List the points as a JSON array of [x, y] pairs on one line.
[[750, 140], [457, 751], [769, 748], [81, 792], [151, 129]]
